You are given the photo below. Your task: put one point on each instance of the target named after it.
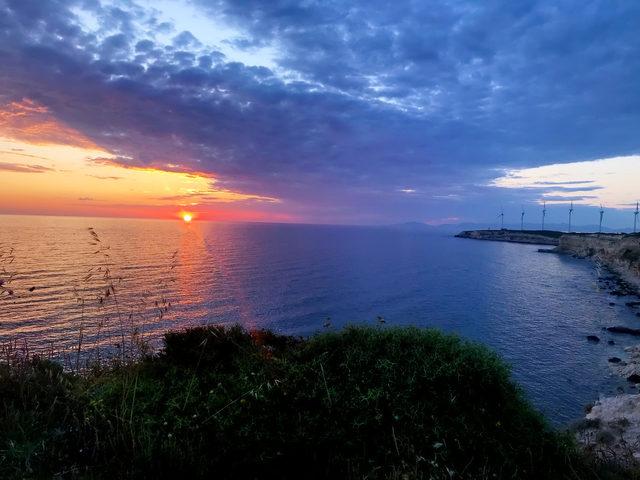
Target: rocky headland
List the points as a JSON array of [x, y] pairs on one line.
[[536, 237], [619, 253]]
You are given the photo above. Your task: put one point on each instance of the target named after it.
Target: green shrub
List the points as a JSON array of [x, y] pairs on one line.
[[227, 403]]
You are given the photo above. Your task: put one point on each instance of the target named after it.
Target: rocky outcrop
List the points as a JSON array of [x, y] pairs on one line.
[[620, 253], [627, 330], [611, 430], [629, 367], [537, 237]]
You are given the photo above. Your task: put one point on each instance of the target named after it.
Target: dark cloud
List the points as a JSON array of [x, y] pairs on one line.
[[186, 40], [18, 151], [573, 182], [106, 177], [563, 199], [592, 188], [559, 187], [433, 96], [21, 168]]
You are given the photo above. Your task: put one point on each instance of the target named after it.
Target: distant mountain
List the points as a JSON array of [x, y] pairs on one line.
[[413, 227]]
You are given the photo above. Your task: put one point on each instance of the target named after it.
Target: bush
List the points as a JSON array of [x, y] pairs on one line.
[[227, 403]]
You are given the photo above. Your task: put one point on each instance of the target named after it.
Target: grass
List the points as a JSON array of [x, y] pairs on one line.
[[363, 403]]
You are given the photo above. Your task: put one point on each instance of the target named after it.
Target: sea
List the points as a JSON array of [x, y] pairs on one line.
[[79, 282]]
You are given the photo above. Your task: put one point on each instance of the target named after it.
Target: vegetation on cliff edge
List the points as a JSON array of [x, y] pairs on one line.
[[398, 403]]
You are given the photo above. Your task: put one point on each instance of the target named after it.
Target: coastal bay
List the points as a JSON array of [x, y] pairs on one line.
[[611, 425], [617, 252]]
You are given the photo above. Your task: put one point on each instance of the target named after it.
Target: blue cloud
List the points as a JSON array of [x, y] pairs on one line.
[[367, 98]]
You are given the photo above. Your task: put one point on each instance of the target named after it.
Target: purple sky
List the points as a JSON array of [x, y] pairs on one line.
[[349, 112]]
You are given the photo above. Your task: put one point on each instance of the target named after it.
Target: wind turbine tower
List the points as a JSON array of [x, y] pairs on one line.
[[635, 217], [570, 213], [522, 219], [501, 219], [544, 212], [601, 215]]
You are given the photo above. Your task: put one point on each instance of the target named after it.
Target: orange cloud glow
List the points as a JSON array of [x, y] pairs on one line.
[[32, 123], [49, 168]]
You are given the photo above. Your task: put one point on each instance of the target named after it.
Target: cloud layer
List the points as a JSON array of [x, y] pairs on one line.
[[371, 111]]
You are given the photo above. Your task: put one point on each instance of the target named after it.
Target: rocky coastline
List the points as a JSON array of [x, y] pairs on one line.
[[620, 253], [535, 237], [611, 427]]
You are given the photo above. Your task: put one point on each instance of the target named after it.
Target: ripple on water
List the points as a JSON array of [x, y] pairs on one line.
[[535, 310]]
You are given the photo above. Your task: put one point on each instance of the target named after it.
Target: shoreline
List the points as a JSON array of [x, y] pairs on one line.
[[619, 253], [611, 426]]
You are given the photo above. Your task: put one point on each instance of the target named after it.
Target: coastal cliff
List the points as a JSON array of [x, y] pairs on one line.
[[611, 427], [618, 252], [537, 237]]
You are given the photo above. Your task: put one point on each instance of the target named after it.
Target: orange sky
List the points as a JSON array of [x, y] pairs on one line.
[[49, 168]]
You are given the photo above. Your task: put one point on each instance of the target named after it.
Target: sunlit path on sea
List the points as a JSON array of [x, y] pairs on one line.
[[535, 310]]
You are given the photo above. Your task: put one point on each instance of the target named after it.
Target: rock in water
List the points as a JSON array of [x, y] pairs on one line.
[[593, 338], [630, 331]]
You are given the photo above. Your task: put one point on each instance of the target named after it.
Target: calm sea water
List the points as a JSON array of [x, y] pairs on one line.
[[534, 309]]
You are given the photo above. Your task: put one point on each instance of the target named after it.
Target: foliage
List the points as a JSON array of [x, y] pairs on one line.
[[397, 403]]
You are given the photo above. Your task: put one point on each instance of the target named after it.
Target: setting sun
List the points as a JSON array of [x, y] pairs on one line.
[[339, 209]]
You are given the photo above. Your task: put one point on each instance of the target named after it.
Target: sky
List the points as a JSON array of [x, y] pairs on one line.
[[360, 112]]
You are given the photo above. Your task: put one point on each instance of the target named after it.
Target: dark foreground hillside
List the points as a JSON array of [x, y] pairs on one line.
[[226, 403]]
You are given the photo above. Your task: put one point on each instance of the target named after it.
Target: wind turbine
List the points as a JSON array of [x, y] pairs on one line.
[[522, 219], [635, 217], [501, 218], [601, 215], [570, 213], [544, 212]]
